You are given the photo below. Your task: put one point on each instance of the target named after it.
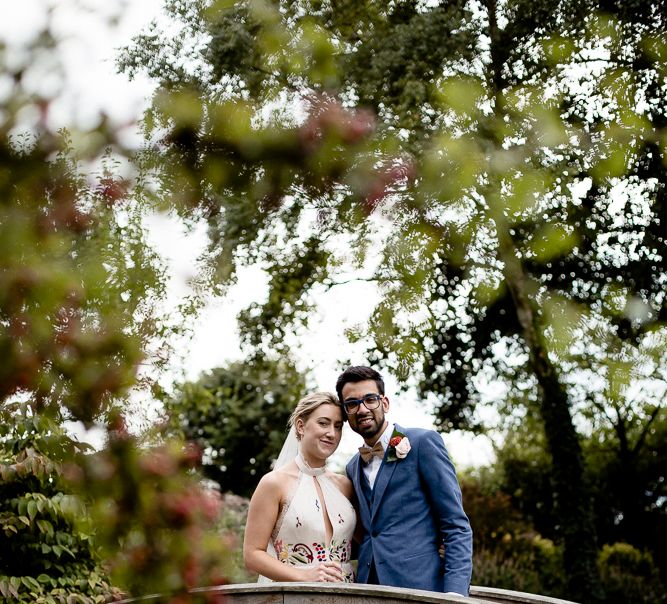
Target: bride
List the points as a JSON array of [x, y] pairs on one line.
[[301, 519]]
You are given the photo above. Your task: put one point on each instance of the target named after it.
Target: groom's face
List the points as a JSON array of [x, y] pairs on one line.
[[368, 422]]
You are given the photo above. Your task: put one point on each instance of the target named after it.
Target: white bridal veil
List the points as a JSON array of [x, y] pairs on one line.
[[289, 451]]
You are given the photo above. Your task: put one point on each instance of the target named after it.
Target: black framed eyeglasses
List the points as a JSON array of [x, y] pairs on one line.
[[370, 401]]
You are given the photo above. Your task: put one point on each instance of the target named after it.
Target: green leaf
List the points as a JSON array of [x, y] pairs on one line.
[[13, 590], [31, 583], [45, 527], [68, 550], [32, 509]]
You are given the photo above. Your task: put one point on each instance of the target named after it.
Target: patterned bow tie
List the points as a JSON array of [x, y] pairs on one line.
[[368, 452]]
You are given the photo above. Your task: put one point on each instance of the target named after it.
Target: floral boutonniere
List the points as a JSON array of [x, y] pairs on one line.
[[399, 446]]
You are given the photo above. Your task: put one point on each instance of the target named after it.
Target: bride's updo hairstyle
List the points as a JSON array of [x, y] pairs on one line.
[[308, 404]]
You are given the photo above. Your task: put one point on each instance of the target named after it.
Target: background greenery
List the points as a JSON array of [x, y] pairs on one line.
[[502, 165]]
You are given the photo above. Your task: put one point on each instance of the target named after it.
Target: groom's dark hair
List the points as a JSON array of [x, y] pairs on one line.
[[358, 374]]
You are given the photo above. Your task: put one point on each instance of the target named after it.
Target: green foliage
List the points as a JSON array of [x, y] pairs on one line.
[[78, 283], [47, 551], [627, 470], [395, 64], [63, 336], [534, 567], [507, 551], [154, 520], [232, 526], [238, 416], [625, 467], [630, 575], [296, 269], [514, 187], [79, 310], [510, 554], [497, 522]]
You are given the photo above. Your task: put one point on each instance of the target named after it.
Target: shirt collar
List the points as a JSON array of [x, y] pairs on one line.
[[386, 435]]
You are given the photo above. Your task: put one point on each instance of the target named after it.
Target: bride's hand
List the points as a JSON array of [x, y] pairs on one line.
[[325, 572]]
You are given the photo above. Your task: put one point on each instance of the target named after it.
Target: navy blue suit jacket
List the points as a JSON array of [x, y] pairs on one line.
[[415, 506]]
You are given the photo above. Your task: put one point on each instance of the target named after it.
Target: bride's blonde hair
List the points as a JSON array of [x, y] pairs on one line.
[[305, 407]]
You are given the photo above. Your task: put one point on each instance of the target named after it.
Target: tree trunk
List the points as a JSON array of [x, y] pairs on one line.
[[573, 504]]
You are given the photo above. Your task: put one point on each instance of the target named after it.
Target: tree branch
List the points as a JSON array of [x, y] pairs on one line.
[[642, 437], [366, 279]]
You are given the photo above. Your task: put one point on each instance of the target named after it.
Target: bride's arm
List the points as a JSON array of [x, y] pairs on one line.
[[262, 516]]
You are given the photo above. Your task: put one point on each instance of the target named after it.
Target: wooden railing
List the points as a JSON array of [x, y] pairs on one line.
[[353, 593]]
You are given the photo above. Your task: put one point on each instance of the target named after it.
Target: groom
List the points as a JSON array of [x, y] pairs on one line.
[[409, 497]]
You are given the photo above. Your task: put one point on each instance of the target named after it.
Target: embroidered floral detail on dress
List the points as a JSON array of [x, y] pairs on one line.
[[300, 553], [281, 551], [320, 551], [293, 554], [340, 551]]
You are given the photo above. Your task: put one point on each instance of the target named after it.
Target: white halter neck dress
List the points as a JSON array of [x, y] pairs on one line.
[[299, 536]]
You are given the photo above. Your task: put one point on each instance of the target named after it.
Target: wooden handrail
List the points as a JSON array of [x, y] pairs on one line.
[[351, 593]]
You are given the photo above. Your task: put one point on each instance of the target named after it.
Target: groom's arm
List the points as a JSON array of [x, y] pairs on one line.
[[439, 477]]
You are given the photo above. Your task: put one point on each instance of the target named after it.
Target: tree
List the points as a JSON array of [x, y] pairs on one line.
[[486, 185], [79, 311], [618, 390], [627, 509], [238, 416]]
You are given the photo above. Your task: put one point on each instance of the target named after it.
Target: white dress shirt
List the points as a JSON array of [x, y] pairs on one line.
[[372, 468]]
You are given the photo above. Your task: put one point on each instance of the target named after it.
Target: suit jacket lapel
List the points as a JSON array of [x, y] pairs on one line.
[[384, 476]]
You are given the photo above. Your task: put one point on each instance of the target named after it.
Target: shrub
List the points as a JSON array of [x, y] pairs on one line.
[[527, 563], [232, 527], [629, 576], [47, 554]]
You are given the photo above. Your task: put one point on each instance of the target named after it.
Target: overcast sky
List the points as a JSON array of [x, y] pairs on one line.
[[89, 43], [89, 34]]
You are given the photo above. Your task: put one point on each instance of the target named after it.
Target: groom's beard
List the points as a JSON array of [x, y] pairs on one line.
[[371, 429]]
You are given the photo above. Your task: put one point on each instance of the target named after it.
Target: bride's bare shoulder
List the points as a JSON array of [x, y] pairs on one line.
[[278, 479]]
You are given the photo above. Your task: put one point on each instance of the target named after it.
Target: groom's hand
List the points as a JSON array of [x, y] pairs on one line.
[[325, 572]]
